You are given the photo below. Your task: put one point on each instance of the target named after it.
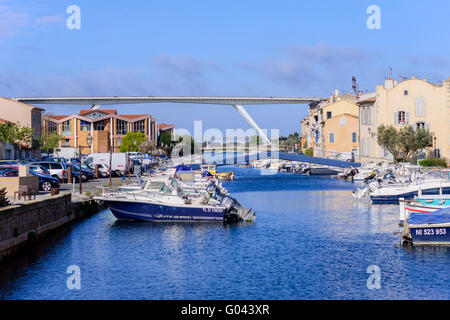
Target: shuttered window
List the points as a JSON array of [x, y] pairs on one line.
[[420, 107]]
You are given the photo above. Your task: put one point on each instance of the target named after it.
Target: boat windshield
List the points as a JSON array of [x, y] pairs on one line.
[[165, 189]]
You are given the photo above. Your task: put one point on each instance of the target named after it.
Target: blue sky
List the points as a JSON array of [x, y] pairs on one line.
[[246, 48]]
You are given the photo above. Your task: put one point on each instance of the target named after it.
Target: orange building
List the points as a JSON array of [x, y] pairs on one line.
[[104, 125]]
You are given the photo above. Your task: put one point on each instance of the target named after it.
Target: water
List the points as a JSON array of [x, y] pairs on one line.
[[311, 240]]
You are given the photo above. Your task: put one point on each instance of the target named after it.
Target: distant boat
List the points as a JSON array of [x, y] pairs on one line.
[[428, 228], [321, 171]]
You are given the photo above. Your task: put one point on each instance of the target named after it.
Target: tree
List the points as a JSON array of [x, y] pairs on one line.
[[16, 134], [128, 142], [404, 142], [49, 141]]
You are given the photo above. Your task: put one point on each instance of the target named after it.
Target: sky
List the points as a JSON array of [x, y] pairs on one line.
[[217, 48]]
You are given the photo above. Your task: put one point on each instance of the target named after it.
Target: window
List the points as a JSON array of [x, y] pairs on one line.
[[343, 121], [51, 127], [405, 93], [420, 125], [139, 126], [67, 128], [99, 125], [122, 127], [401, 118], [85, 126], [420, 107], [331, 137], [354, 137], [329, 114], [95, 115]]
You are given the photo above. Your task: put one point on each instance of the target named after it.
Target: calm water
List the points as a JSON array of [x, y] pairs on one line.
[[311, 240]]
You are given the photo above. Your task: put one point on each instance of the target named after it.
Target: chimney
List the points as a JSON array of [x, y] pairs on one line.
[[388, 84]]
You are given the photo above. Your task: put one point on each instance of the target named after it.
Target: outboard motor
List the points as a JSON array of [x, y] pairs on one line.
[[370, 177]]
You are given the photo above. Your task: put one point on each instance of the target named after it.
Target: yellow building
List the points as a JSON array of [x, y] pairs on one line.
[[332, 127], [341, 135], [104, 125], [414, 102]]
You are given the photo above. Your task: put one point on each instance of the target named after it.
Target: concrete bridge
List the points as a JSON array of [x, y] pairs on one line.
[[224, 158], [236, 102]]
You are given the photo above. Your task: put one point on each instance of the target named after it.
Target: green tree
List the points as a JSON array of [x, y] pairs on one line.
[[404, 142], [129, 139], [15, 134], [49, 141]]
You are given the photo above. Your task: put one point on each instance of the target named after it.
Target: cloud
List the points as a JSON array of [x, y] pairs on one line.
[[322, 65], [16, 20], [185, 66]]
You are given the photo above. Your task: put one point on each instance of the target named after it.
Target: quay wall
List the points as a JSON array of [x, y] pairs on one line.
[[22, 225]]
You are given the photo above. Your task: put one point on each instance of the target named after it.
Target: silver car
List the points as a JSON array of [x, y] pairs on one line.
[[56, 169]]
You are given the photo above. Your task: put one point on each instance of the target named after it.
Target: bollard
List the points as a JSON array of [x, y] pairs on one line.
[[96, 171], [69, 174], [402, 211]]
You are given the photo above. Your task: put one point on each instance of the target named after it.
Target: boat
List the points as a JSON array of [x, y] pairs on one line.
[[428, 228], [393, 192], [173, 202], [321, 171]]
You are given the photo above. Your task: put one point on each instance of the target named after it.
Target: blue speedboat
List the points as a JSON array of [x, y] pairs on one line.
[[428, 228], [170, 202]]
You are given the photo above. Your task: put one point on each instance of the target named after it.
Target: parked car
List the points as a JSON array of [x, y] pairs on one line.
[[39, 169], [10, 162], [85, 174], [56, 169], [46, 182]]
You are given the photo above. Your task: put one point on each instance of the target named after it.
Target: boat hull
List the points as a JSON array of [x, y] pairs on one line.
[[430, 234], [393, 198], [144, 211], [322, 172]]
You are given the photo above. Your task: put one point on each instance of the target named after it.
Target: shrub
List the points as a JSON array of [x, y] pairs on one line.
[[433, 162], [309, 152]]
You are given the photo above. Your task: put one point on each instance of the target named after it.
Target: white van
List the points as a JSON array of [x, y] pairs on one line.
[[119, 161], [66, 152]]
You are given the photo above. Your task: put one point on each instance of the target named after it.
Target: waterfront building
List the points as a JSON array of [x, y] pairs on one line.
[[26, 115], [415, 102], [332, 127], [105, 126]]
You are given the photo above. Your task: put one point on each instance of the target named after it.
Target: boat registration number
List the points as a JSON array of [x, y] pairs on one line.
[[431, 232], [212, 210]]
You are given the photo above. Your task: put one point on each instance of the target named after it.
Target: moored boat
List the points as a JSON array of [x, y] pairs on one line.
[[428, 228]]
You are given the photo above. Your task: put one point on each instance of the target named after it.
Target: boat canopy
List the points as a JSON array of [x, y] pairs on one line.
[[437, 217], [182, 168]]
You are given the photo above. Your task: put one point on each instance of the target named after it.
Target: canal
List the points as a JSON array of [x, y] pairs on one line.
[[311, 240]]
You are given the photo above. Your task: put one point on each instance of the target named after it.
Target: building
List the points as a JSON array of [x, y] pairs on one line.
[[26, 115], [414, 102], [105, 126], [332, 127]]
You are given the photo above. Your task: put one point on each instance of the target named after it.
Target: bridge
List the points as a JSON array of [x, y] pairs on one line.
[[224, 158], [236, 102]]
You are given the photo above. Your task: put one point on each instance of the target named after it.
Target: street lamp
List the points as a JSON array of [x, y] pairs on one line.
[[89, 143]]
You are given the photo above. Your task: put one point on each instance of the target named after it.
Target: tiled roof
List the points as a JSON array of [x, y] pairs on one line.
[[166, 126], [133, 116], [57, 117], [108, 111]]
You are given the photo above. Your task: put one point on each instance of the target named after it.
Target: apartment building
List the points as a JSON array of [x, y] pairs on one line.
[[415, 102], [26, 115], [105, 126], [332, 127]]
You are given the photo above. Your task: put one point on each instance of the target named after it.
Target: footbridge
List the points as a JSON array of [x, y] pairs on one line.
[[236, 102], [221, 159]]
